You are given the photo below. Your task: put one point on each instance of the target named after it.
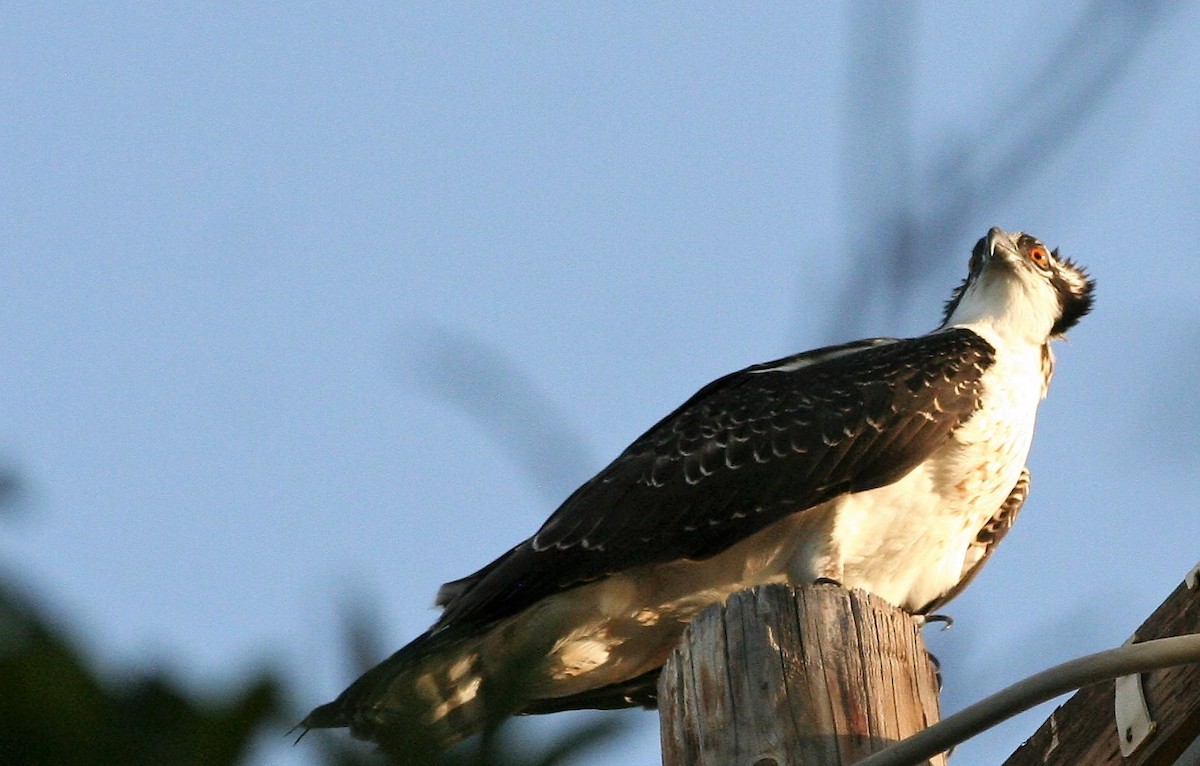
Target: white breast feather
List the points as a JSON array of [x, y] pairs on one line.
[[907, 542]]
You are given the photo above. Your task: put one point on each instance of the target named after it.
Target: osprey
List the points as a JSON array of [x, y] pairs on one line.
[[890, 465]]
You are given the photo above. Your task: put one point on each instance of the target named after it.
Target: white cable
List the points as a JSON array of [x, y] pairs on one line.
[[1048, 684]]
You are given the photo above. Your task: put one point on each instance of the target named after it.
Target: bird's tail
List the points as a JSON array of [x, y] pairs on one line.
[[430, 694]]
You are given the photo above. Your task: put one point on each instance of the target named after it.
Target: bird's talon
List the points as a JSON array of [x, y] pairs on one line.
[[937, 669], [943, 618]]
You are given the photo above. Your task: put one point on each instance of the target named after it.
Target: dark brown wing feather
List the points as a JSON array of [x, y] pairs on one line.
[[745, 451]]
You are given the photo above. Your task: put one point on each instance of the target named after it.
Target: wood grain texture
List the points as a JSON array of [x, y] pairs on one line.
[[818, 676], [1083, 730]]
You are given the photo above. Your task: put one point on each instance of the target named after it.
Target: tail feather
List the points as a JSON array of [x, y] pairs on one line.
[[432, 693], [640, 691]]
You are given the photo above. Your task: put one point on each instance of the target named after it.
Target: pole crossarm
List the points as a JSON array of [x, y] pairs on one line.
[[1084, 729]]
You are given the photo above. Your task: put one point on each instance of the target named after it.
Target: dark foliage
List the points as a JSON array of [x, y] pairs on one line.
[[55, 708]]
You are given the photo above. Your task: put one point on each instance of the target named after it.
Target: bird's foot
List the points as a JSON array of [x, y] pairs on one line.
[[827, 581]]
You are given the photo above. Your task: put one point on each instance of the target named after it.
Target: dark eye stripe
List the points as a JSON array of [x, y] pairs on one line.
[[1075, 293]]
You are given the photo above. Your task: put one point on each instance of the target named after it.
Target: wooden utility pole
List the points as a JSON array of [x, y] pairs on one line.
[[818, 676]]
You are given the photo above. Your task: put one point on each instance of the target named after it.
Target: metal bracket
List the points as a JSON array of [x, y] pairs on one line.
[[1134, 726]]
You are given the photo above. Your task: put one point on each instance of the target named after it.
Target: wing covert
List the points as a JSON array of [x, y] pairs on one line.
[[743, 452]]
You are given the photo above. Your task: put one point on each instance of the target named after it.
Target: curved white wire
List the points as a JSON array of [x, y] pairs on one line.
[[1048, 684]]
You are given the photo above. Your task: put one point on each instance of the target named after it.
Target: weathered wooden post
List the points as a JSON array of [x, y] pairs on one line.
[[819, 676]]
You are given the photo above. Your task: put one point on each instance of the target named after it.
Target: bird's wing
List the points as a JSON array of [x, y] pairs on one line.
[[747, 450], [986, 541]]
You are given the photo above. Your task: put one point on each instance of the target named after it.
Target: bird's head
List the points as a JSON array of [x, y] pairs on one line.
[[1020, 288]]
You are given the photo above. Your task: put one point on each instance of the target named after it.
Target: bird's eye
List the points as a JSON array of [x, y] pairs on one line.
[[1039, 256]]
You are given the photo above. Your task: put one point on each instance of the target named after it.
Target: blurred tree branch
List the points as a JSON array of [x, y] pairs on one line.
[[480, 380], [903, 215]]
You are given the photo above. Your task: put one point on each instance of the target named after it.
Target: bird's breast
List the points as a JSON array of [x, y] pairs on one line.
[[907, 541]]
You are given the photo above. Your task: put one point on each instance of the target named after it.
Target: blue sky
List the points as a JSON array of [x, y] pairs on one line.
[[254, 257]]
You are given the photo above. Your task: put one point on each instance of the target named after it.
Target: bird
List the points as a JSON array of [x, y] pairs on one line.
[[891, 465]]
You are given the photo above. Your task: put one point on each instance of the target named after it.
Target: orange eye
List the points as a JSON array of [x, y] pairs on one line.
[[1039, 256]]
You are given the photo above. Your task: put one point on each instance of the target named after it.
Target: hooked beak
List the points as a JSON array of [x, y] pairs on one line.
[[998, 239]]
